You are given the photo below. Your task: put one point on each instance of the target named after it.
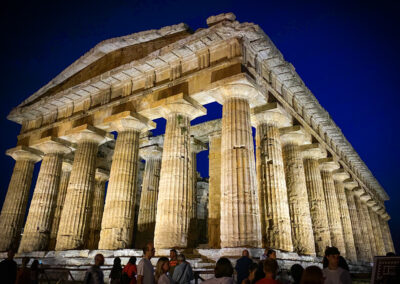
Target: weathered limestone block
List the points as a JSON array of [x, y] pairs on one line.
[[339, 176], [174, 204], [118, 218], [14, 206], [75, 216], [214, 204], [101, 177], [62, 192], [332, 204], [272, 192], [148, 200], [316, 197], [377, 233], [302, 231], [41, 212], [240, 220], [364, 230], [369, 228], [355, 225]]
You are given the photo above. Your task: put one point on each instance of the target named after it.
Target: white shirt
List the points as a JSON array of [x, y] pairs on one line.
[[337, 276], [145, 269]]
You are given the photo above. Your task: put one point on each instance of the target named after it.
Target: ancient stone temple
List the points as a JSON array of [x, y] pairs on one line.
[[298, 189]]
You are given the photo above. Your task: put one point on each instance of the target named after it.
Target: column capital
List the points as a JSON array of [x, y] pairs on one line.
[[52, 145], [270, 113], [376, 207], [295, 134], [240, 89], [196, 146], [24, 153], [66, 166], [359, 191], [371, 203], [128, 120], [313, 151], [102, 175], [328, 164], [89, 133], [350, 183], [150, 152], [365, 197], [340, 175]]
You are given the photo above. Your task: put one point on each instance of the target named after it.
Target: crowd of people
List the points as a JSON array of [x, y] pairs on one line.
[[176, 270]]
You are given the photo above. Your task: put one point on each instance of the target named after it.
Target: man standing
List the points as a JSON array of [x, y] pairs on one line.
[[145, 270], [242, 266], [173, 261], [8, 268], [334, 274], [183, 273], [94, 275]]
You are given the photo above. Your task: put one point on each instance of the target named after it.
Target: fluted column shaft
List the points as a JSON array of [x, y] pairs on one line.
[[356, 227], [369, 228], [192, 238], [377, 233], [173, 210], [364, 230], [97, 210], [118, 218], [240, 221], [75, 216], [332, 206], [214, 200], [62, 192], [346, 222], [14, 206], [318, 209], [148, 201], [388, 237], [302, 232], [273, 196]]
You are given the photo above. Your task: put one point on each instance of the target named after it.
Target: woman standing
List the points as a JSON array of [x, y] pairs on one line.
[[161, 275]]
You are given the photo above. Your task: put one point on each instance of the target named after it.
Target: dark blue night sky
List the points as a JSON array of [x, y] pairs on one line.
[[347, 53]]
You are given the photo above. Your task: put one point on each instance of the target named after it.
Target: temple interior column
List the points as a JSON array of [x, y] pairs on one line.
[[364, 230], [339, 176], [272, 192], [148, 199], [332, 204], [302, 231], [14, 206], [316, 197], [119, 210], [62, 192], [214, 200], [173, 210], [75, 216], [93, 239], [37, 229], [240, 220], [376, 228]]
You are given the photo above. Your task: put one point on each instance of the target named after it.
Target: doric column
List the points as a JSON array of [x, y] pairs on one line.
[[364, 197], [240, 220], [119, 210], [14, 206], [174, 201], [272, 192], [214, 200], [202, 211], [364, 230], [148, 199], [332, 204], [62, 192], [388, 236], [339, 176], [41, 212], [75, 216], [302, 231], [376, 228], [316, 197], [101, 177]]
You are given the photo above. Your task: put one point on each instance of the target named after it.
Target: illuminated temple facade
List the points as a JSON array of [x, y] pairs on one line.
[[105, 182]]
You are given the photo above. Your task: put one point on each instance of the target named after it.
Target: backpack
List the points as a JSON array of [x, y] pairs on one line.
[[125, 279]]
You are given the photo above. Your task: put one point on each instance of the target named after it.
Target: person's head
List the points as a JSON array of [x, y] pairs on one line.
[[245, 253], [296, 271], [99, 259], [312, 275], [25, 260], [223, 268], [181, 258], [252, 271], [132, 260], [390, 254], [117, 261], [271, 254], [148, 251], [162, 267], [10, 254], [266, 251], [172, 254], [35, 264], [270, 267], [332, 255]]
